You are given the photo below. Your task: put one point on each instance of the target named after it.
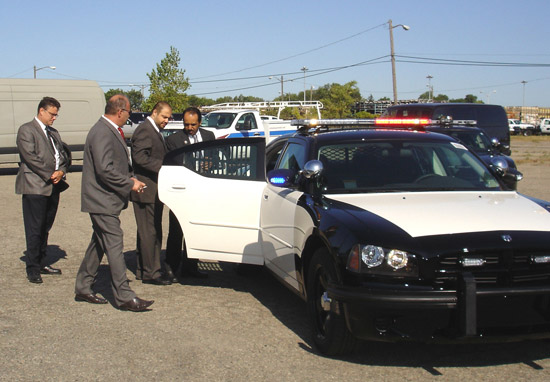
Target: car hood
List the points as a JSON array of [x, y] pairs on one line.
[[440, 213]]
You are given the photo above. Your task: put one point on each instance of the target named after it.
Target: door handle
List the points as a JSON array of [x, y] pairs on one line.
[[178, 187]]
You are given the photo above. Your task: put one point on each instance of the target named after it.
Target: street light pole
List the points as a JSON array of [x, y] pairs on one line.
[[304, 69], [282, 92], [44, 67], [392, 55], [523, 104]]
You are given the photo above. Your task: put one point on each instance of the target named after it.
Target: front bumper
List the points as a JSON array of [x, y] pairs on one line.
[[467, 314]]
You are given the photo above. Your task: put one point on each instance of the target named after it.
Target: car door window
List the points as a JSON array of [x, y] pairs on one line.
[[293, 157], [238, 158]]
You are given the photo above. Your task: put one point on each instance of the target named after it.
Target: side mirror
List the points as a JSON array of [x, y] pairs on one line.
[[312, 169], [500, 165], [503, 149]]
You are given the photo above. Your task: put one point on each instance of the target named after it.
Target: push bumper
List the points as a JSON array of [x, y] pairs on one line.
[[461, 314]]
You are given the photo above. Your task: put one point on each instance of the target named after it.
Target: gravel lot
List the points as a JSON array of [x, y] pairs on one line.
[[230, 327]]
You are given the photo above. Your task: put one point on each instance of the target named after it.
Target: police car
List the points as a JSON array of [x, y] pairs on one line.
[[387, 234]]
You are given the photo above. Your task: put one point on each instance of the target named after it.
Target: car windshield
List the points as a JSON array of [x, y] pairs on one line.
[[218, 120], [475, 140], [402, 166]]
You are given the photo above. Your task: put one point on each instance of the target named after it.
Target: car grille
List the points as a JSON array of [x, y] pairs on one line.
[[500, 269]]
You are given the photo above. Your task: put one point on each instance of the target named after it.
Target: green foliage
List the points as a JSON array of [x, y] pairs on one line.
[[168, 83], [193, 100], [364, 115], [134, 96], [469, 98], [337, 99]]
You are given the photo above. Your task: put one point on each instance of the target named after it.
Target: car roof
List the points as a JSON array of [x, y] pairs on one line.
[[329, 136]]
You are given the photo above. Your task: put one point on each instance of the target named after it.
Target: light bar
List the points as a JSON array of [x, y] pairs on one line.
[[404, 121], [332, 122]]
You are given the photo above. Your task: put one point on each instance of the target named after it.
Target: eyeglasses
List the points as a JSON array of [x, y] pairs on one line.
[[127, 111], [52, 114]]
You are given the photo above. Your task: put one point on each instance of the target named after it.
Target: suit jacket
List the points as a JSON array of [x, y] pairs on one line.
[[148, 149], [181, 138], [106, 171], [37, 159]]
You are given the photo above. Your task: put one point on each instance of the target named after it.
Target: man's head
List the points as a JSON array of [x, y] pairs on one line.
[[47, 110], [117, 109], [161, 114], [191, 120]]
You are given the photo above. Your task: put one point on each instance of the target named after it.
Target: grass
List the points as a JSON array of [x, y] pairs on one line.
[[531, 150]]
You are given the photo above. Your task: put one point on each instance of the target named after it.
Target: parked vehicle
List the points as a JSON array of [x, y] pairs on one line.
[[545, 126], [238, 124], [82, 103], [387, 234], [491, 119], [518, 127], [470, 135]]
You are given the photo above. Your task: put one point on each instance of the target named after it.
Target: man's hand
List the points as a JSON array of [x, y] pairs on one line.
[[138, 186], [57, 176]]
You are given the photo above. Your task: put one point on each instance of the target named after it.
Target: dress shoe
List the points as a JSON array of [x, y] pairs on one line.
[[157, 281], [35, 278], [136, 305], [194, 273], [47, 270], [169, 275], [92, 298]]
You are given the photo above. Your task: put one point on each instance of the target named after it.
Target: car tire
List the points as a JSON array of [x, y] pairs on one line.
[[330, 333], [527, 132]]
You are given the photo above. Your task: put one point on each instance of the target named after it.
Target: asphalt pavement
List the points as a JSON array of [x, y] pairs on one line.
[[233, 326]]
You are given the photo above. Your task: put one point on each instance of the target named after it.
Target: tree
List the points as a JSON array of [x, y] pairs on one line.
[[469, 98], [136, 99], [168, 83], [337, 99], [111, 92], [134, 96]]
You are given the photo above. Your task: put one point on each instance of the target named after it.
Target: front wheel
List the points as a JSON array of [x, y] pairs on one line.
[[330, 333]]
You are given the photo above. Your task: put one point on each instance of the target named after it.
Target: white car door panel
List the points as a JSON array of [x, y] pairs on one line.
[[278, 211], [219, 217]]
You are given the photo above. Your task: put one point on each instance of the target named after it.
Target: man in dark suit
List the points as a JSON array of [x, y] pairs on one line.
[[107, 181], [175, 258], [43, 166], [148, 150]]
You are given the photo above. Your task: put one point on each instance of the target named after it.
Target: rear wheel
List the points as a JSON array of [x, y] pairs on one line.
[[330, 333]]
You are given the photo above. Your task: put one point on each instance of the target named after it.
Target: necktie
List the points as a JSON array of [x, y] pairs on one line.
[[50, 138], [121, 133]]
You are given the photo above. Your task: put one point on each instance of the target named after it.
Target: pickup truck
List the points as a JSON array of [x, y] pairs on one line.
[[238, 124], [517, 127], [545, 126]]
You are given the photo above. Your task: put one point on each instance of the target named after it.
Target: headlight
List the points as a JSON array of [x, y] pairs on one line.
[[373, 259], [372, 256]]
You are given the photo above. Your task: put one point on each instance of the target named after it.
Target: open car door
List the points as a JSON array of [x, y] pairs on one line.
[[214, 188]]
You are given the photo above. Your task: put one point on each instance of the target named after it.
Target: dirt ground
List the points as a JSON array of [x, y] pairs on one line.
[[230, 327]]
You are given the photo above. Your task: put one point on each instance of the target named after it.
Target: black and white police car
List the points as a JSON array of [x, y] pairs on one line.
[[387, 234]]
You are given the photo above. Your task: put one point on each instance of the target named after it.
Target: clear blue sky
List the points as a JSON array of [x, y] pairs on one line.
[[118, 42]]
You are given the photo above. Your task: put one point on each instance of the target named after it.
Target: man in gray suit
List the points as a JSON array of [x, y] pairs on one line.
[[175, 258], [148, 150], [107, 181], [40, 180]]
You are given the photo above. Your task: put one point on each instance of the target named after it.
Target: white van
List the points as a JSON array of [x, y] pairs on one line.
[[82, 103]]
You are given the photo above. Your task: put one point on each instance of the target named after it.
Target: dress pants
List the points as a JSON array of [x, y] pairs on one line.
[[175, 257], [107, 239], [38, 216], [149, 234]]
